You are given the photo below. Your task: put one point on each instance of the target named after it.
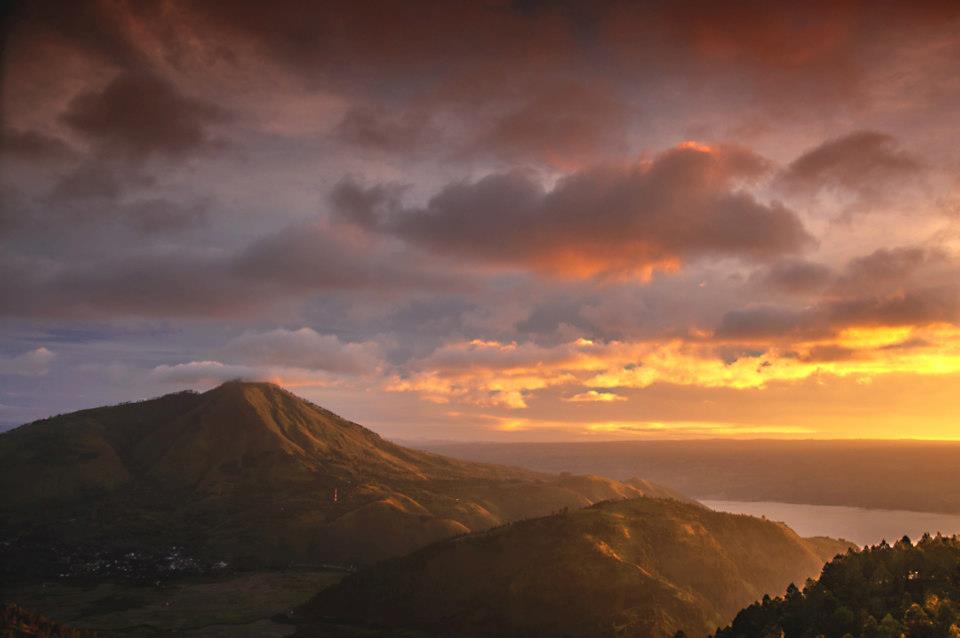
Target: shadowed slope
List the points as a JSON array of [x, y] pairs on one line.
[[639, 567]]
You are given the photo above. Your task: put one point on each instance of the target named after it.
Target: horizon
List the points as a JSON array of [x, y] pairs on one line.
[[442, 442], [490, 221]]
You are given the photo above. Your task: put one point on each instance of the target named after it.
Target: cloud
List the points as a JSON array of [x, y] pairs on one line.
[[140, 114], [513, 376], [380, 129], [594, 396], [293, 264], [90, 181], [33, 145], [921, 307], [865, 162], [97, 191], [795, 276], [890, 268], [611, 220], [561, 124], [364, 206], [565, 125], [316, 256], [31, 363], [207, 372], [766, 322], [908, 286], [162, 215], [304, 348]]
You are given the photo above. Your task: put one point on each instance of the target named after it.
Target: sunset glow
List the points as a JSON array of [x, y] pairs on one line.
[[675, 222]]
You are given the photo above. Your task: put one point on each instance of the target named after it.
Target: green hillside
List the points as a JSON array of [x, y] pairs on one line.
[[246, 475], [885, 591], [639, 567]]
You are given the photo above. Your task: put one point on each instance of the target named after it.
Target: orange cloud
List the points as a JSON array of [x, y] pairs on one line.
[[621, 221], [507, 374]]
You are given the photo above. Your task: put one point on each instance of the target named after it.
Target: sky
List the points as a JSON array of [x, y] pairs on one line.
[[511, 221]]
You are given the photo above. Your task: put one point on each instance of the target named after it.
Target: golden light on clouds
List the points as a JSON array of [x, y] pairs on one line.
[[649, 429], [591, 396], [510, 375]]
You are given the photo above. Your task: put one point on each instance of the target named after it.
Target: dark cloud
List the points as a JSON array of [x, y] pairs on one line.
[[765, 322], [100, 192], [364, 206], [608, 220], [887, 266], [161, 285], [546, 317], [563, 125], [546, 82], [140, 114], [91, 180], [732, 354], [560, 124], [829, 352], [161, 215], [795, 276], [98, 29], [919, 307], [295, 263], [380, 129], [32, 145], [314, 256], [909, 286], [864, 161]]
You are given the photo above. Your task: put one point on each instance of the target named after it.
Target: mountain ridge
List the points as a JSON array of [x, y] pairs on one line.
[[636, 567]]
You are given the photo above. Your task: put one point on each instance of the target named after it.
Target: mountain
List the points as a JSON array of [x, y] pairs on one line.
[[247, 474], [904, 590], [639, 567]]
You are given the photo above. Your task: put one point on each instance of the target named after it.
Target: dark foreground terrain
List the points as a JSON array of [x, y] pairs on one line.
[[242, 605], [884, 591]]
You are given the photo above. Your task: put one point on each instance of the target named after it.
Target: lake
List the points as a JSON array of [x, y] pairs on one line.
[[862, 526]]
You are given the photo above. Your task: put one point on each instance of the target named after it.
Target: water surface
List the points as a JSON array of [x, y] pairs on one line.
[[862, 526]]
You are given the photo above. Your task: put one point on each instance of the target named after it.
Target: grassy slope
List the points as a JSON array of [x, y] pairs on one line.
[[640, 567]]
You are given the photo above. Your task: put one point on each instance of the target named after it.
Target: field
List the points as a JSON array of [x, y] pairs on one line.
[[238, 605]]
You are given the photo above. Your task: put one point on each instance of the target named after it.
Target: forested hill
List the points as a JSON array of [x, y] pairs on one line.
[[880, 592]]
